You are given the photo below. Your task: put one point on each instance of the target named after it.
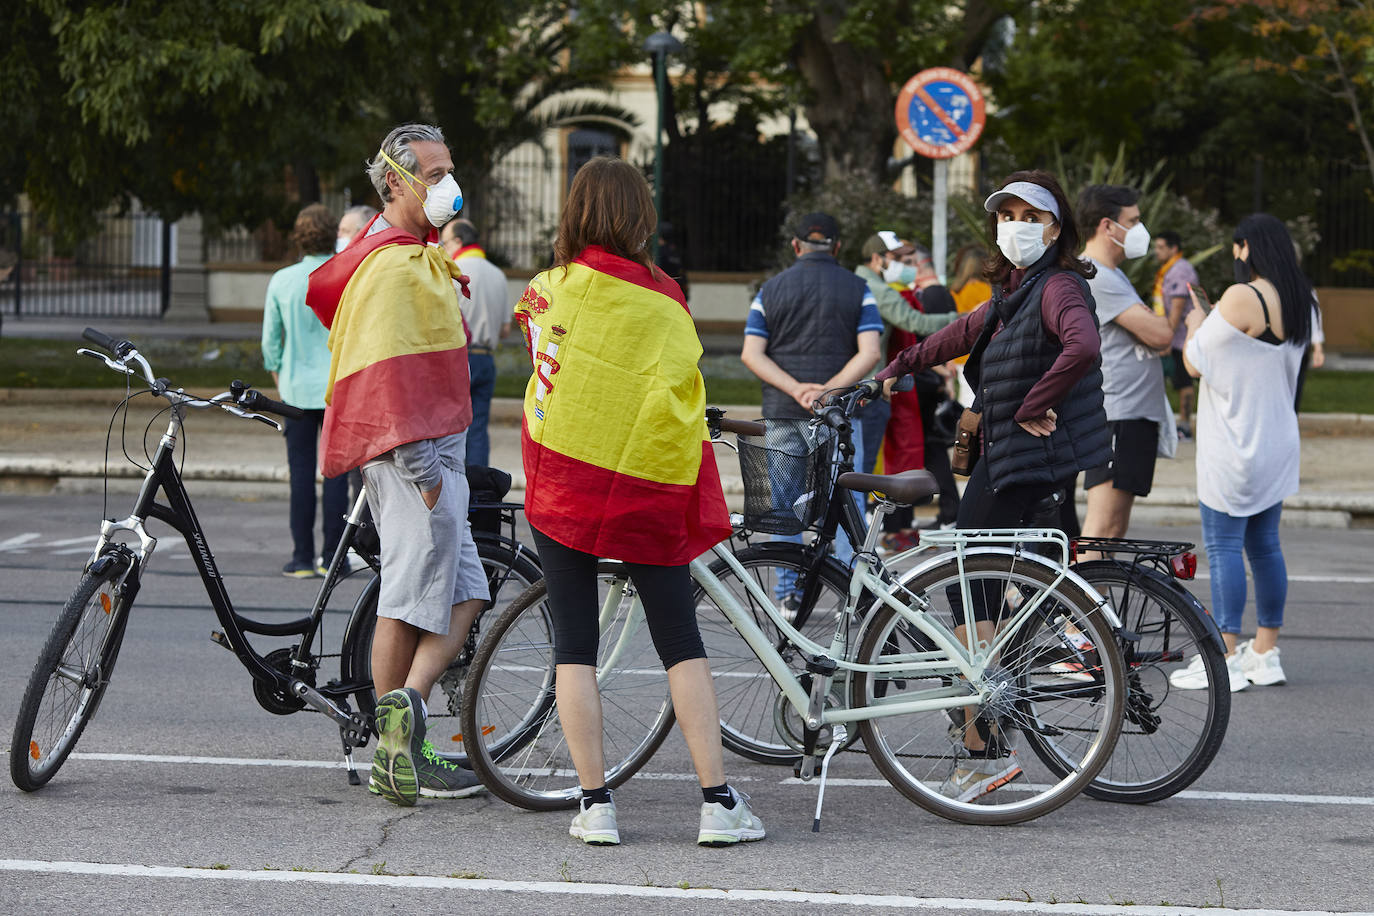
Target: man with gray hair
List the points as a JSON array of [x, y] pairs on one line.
[[488, 313], [399, 407], [353, 221]]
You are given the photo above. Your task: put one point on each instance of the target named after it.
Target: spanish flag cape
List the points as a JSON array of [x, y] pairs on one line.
[[399, 366], [618, 462]]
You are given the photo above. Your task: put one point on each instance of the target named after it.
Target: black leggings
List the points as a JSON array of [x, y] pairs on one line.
[[1006, 507], [665, 591]]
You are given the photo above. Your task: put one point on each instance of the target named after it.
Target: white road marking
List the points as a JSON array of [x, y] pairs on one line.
[[1265, 798], [18, 541], [573, 889]]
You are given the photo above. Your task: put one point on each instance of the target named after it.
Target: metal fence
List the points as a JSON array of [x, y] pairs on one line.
[[1332, 196], [120, 266]]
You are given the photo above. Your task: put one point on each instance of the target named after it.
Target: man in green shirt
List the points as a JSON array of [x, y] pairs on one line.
[[881, 268], [295, 349]]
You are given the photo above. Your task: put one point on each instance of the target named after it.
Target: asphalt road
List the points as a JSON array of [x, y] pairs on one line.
[[255, 813]]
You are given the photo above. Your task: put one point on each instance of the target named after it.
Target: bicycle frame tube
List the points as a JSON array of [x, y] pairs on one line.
[[797, 695], [179, 514]]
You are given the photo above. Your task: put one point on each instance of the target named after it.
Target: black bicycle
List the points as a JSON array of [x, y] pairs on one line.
[[77, 661]]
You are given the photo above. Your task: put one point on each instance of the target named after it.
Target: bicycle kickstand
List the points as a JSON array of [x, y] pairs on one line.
[[837, 737], [352, 767]]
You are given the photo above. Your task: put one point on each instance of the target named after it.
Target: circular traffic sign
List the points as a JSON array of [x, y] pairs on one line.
[[940, 112]]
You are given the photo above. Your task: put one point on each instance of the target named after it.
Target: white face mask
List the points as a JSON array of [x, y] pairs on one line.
[[340, 244], [1137, 241], [897, 272], [445, 199], [1022, 243]]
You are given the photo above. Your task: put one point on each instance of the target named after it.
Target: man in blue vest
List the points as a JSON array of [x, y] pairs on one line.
[[813, 327]]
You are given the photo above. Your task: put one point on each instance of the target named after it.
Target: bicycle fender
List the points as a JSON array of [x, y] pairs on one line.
[[840, 569], [1093, 594], [367, 598], [1208, 621]]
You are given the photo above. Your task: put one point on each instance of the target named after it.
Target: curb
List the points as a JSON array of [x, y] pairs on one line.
[[510, 411]]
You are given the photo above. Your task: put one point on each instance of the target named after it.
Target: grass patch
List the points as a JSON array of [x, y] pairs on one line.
[[208, 363]]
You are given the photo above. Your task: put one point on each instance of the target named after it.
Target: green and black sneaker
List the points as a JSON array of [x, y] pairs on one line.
[[440, 776], [400, 727]]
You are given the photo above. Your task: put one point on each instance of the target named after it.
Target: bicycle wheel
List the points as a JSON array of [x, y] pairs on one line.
[[1169, 736], [1027, 698], [514, 736], [69, 679], [753, 712], [509, 572]]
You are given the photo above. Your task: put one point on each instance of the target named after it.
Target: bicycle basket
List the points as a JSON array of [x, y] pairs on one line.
[[787, 477]]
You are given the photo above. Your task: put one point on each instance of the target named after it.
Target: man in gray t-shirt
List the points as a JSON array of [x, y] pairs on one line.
[[1132, 374]]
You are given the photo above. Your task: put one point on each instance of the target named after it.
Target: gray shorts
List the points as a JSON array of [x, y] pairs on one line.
[[429, 560]]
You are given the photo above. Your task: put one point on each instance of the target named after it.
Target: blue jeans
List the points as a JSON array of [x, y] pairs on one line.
[[482, 374], [1224, 536], [793, 435], [302, 442]]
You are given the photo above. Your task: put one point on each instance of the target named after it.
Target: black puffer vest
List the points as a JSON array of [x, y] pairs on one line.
[[812, 309], [1015, 359]]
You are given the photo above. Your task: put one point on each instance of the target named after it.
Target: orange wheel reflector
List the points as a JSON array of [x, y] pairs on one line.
[[487, 730], [33, 750], [458, 738], [105, 602]]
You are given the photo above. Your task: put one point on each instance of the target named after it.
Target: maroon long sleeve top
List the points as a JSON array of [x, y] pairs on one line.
[[1066, 317]]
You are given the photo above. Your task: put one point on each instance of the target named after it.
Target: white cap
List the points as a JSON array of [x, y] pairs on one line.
[[890, 239], [1033, 194]]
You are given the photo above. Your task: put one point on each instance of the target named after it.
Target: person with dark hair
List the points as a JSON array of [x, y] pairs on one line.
[[1171, 299], [618, 464], [295, 349], [1142, 422], [1033, 361], [1247, 352], [813, 327], [488, 316]]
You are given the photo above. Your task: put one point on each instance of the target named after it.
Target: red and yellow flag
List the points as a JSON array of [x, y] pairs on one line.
[[399, 366], [618, 460]]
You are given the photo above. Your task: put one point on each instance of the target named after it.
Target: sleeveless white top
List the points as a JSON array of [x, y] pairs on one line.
[[1246, 429]]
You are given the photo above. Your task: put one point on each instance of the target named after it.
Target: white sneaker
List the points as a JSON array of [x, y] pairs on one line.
[[975, 777], [1261, 668], [1233, 669], [722, 826], [596, 826], [1191, 677], [1194, 676]]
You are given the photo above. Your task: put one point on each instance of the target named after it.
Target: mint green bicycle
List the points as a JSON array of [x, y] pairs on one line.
[[941, 706]]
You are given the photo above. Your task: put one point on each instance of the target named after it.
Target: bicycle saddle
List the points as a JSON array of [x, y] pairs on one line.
[[907, 488]]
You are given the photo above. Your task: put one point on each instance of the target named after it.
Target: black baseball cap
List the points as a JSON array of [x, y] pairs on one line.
[[817, 227]]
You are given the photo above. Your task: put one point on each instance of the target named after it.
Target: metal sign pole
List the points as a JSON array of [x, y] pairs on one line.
[[939, 224]]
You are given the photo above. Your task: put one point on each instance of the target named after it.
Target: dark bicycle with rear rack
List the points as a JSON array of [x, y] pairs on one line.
[[76, 663]]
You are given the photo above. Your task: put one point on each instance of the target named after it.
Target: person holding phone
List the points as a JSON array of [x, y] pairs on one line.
[[1247, 352]]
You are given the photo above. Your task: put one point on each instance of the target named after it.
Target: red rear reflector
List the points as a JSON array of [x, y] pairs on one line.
[[1184, 565]]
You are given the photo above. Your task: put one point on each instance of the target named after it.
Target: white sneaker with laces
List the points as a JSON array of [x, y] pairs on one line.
[[975, 777], [722, 826], [1261, 668], [597, 825], [1194, 676]]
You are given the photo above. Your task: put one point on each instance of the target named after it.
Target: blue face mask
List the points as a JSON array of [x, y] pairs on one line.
[[897, 272]]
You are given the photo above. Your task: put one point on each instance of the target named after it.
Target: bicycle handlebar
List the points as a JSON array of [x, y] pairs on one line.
[[240, 400]]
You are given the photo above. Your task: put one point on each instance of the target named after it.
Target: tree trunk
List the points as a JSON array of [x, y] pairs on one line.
[[851, 105]]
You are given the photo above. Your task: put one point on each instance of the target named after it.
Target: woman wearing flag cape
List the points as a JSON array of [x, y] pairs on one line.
[[618, 464]]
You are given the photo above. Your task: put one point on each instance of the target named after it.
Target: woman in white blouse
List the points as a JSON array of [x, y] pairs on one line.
[[1247, 353]]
